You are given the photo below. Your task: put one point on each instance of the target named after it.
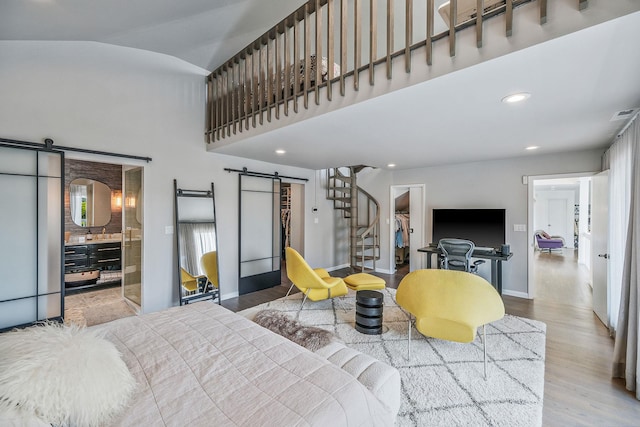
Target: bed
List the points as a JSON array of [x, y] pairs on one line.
[[197, 365]]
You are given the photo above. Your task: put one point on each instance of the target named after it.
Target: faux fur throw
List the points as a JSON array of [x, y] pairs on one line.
[[307, 336]]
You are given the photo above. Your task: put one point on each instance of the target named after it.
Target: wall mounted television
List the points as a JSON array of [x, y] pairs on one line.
[[484, 227]]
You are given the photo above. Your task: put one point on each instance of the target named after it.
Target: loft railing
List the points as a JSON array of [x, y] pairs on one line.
[[324, 42]]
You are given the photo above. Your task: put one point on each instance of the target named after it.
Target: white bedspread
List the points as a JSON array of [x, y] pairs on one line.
[[203, 365]]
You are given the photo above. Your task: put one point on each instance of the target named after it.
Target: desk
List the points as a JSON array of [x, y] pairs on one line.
[[496, 259]]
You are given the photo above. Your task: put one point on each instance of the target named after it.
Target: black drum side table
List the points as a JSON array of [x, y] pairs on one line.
[[369, 312]]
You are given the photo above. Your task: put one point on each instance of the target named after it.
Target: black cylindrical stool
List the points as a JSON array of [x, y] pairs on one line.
[[369, 312]]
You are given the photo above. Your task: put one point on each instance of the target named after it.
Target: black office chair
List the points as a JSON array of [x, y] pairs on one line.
[[456, 255]]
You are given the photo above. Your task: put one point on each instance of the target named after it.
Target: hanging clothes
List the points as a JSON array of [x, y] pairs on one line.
[[402, 230]]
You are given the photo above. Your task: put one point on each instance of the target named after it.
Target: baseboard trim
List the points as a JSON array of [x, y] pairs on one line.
[[516, 294], [229, 295], [337, 267]]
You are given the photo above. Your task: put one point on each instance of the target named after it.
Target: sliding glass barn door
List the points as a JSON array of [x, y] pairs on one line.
[[260, 233], [31, 253]]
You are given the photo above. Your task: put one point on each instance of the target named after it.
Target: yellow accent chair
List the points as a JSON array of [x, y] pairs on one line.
[[209, 265], [449, 305], [189, 281], [316, 284]]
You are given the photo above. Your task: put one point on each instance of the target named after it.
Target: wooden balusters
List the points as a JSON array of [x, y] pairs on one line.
[[408, 34], [373, 37], [296, 62], [264, 75], [509, 18], [390, 15], [318, 48], [357, 43], [307, 56], [429, 41], [343, 43], [543, 11], [479, 13], [453, 11]]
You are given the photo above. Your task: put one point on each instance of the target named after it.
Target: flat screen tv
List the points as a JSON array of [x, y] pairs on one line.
[[484, 227]]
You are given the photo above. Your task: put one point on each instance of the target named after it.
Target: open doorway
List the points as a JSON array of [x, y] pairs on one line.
[[98, 209], [292, 219], [406, 227], [560, 235]]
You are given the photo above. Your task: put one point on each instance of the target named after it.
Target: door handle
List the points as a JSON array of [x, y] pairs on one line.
[[605, 256]]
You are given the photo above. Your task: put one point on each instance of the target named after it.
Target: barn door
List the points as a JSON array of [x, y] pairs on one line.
[[260, 233]]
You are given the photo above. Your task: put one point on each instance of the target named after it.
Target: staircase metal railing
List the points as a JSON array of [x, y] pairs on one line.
[[340, 189], [323, 43]]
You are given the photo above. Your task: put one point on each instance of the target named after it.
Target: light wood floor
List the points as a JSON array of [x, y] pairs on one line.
[[579, 390]]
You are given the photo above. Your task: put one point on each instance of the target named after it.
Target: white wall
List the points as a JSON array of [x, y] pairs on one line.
[[103, 97], [495, 184]]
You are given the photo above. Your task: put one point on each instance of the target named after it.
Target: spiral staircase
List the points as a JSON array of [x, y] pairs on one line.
[[363, 213]]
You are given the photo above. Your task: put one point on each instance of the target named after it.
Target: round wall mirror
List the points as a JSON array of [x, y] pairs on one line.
[[89, 202]]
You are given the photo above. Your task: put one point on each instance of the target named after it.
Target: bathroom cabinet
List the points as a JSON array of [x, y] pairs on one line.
[[86, 263]]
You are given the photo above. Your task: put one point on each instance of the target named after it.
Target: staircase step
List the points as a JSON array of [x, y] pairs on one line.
[[340, 199], [341, 178], [341, 189], [367, 258], [359, 248]]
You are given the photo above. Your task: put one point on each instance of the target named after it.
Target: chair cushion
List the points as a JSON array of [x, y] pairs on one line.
[[447, 329], [337, 289], [364, 282]]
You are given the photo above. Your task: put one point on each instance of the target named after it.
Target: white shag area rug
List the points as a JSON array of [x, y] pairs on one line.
[[443, 383]]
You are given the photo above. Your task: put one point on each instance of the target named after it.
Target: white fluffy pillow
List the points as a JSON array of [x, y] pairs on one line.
[[66, 376]]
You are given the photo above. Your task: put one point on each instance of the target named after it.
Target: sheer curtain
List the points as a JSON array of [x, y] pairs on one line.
[[618, 159], [196, 239], [627, 288]]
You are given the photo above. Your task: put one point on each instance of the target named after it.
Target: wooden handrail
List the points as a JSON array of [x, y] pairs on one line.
[[263, 77]]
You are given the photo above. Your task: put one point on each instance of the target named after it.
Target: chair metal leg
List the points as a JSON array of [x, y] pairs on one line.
[[409, 342], [289, 291], [306, 294], [484, 346], [342, 306]]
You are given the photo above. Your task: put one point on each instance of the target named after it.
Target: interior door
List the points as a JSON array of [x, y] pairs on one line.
[[600, 245], [416, 231], [31, 229], [260, 233], [132, 223]]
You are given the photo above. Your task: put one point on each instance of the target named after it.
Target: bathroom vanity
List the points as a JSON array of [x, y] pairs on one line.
[[92, 263]]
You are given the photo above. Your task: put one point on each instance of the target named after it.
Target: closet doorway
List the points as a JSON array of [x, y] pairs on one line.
[[292, 216], [406, 227]]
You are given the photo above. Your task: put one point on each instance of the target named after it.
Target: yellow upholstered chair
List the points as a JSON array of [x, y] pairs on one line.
[[209, 265], [449, 305], [189, 281], [315, 284]]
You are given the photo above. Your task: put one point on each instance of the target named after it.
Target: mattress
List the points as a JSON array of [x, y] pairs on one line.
[[201, 364]]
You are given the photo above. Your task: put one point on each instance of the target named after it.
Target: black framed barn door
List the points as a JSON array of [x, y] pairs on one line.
[[260, 232], [31, 230]]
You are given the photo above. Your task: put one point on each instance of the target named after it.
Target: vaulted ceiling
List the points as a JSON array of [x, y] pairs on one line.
[[578, 82]]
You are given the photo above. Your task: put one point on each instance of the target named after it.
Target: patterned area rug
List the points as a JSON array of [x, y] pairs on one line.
[[443, 383]]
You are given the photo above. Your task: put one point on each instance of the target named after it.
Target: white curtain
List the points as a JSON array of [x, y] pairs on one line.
[[627, 346], [618, 160], [196, 239]]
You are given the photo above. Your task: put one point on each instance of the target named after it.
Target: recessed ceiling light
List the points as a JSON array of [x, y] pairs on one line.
[[516, 97], [532, 147], [280, 151], [391, 165]]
